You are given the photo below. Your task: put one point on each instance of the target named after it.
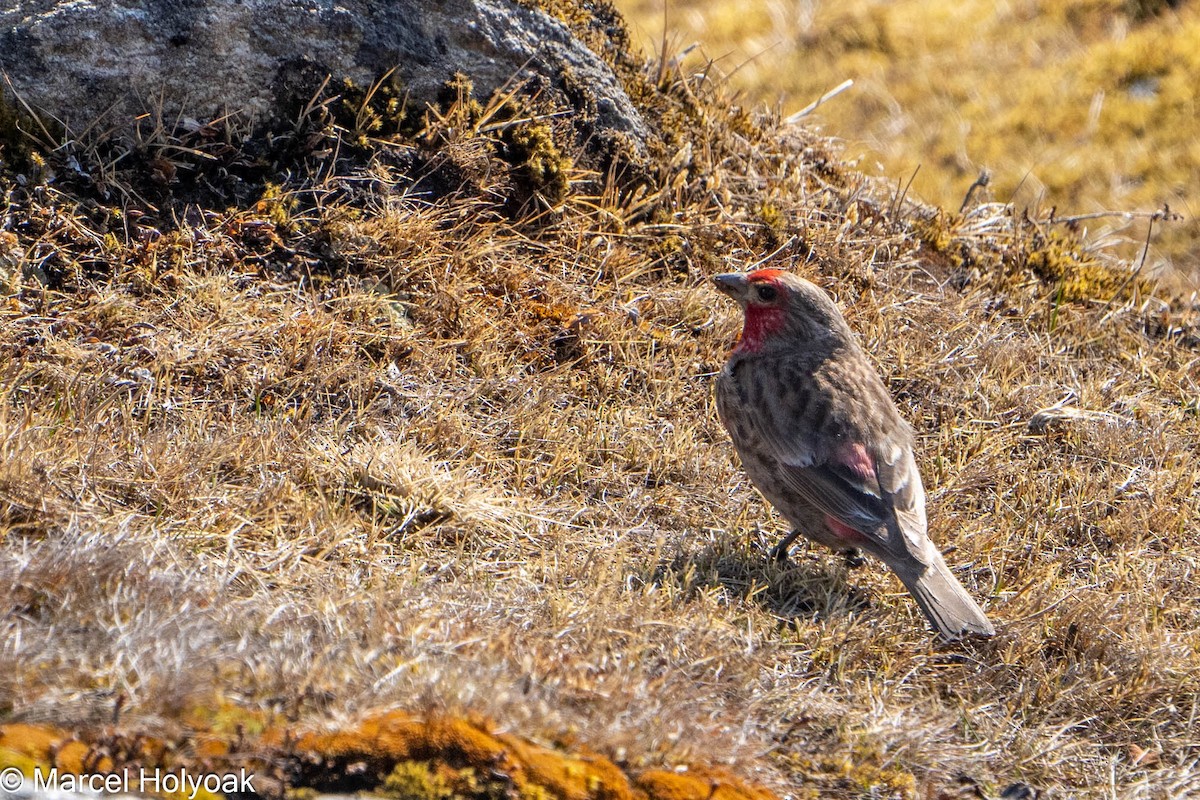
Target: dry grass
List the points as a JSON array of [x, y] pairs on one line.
[[384, 441], [1081, 104]]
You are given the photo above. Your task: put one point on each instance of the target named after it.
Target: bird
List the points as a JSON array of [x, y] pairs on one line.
[[821, 439]]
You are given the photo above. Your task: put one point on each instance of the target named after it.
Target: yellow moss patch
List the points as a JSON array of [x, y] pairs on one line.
[[29, 747], [936, 231], [531, 148], [211, 747], [35, 744], [1060, 263], [11, 758], [862, 774], [276, 205], [416, 780], [225, 719], [392, 735]]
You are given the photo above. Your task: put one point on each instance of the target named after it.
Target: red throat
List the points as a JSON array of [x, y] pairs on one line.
[[762, 322]]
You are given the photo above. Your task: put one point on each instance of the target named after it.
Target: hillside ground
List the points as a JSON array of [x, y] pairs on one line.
[[428, 425], [1084, 105]]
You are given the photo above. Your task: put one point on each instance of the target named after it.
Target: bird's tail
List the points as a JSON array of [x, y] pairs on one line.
[[944, 600]]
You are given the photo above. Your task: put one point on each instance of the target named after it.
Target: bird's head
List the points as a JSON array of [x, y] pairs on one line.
[[781, 310]]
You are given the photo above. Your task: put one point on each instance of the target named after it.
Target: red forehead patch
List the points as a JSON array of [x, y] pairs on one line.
[[765, 275]]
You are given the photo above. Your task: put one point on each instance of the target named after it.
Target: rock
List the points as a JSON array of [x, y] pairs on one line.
[[83, 60]]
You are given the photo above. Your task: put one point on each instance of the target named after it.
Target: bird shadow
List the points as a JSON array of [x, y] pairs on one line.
[[808, 586]]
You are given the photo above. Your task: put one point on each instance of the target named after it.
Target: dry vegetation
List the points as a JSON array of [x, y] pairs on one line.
[[1086, 105], [429, 426]]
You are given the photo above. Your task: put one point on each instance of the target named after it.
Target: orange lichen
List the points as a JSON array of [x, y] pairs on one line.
[[35, 741], [698, 784], [210, 747], [396, 736], [76, 757], [566, 776], [69, 753], [440, 755], [460, 739], [535, 771]]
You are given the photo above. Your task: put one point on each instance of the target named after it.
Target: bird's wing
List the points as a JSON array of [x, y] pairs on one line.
[[838, 491], [872, 489], [901, 482]]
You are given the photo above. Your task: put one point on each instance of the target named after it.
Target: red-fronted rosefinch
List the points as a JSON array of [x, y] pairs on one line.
[[821, 439]]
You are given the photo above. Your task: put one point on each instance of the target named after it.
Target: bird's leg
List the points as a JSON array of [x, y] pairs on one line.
[[779, 552], [854, 558]]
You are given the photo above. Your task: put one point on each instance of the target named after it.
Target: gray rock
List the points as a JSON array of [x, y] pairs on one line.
[[83, 60]]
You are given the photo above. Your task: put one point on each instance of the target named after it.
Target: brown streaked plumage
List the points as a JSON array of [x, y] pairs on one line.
[[820, 437]]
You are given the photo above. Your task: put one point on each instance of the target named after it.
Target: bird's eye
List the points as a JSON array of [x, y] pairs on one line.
[[767, 293]]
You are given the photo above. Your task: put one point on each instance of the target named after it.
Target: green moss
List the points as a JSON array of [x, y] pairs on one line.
[[277, 205], [457, 99], [935, 231], [423, 780], [16, 147], [1059, 261], [415, 780], [533, 791], [666, 99], [11, 758], [375, 111], [541, 165], [771, 216], [468, 782]]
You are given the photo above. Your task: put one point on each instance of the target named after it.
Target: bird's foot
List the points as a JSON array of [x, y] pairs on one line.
[[854, 558], [779, 553]]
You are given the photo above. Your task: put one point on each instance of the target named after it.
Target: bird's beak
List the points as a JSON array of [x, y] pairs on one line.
[[733, 284]]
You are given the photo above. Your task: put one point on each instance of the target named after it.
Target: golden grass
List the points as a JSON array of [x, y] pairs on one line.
[[383, 440], [1081, 104]]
